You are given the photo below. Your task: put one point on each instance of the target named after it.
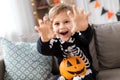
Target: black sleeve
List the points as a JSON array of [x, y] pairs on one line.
[[86, 35], [44, 48], [41, 46]]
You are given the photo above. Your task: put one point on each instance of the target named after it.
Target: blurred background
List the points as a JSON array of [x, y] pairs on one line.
[[18, 17]]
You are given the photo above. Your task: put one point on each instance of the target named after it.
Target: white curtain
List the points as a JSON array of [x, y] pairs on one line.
[[16, 18], [96, 17]]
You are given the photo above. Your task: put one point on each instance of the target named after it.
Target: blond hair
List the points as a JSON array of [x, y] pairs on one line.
[[59, 8]]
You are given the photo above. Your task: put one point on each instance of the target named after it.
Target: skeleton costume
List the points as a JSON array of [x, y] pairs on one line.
[[78, 45]]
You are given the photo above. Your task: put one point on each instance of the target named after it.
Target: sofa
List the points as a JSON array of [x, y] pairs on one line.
[[104, 49]]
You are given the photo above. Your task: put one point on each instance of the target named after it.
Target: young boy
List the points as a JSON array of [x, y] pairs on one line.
[[66, 30]]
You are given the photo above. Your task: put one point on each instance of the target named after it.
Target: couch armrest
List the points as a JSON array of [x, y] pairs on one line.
[[2, 68]]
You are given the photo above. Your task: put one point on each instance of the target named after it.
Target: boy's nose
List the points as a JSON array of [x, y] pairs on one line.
[[62, 25]]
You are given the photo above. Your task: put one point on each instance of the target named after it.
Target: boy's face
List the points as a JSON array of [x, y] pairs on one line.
[[62, 26]]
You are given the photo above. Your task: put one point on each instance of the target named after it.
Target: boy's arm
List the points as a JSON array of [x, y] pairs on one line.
[[48, 48], [42, 47], [87, 34]]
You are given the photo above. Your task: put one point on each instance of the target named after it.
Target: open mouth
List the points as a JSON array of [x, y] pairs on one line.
[[63, 33], [78, 72]]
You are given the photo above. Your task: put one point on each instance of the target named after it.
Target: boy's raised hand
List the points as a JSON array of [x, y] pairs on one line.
[[79, 19], [45, 29]]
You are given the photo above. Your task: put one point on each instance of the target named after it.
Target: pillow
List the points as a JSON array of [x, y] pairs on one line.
[[25, 37], [107, 39], [23, 62]]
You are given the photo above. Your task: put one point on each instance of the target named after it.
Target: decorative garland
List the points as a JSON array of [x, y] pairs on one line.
[[110, 14]]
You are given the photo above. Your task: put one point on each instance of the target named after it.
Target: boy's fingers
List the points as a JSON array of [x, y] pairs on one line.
[[45, 19], [37, 28], [69, 13], [82, 11], [40, 21], [87, 15], [75, 11]]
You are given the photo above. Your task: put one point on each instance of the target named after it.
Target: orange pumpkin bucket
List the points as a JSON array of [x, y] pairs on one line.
[[72, 66]]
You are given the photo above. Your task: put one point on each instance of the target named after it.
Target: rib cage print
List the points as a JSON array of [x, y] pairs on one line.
[[73, 50]]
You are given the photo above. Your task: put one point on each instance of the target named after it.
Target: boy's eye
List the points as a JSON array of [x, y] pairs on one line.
[[56, 24], [67, 21]]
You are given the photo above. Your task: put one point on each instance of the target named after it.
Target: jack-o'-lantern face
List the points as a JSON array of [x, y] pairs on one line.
[[71, 67]]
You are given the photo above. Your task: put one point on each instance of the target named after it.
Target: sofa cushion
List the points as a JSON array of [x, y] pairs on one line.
[[23, 62], [111, 74], [107, 40]]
